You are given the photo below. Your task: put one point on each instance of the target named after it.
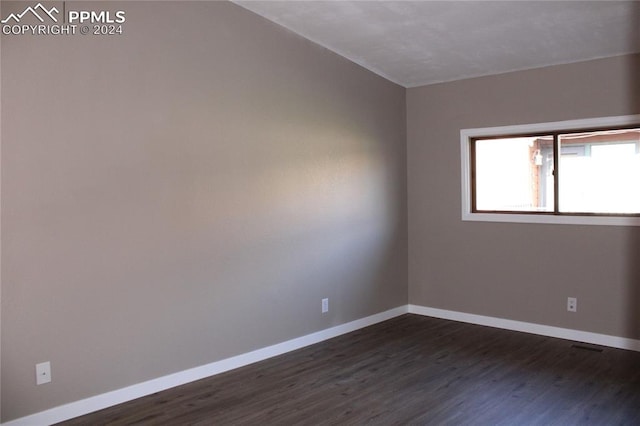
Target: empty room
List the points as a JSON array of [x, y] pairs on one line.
[[319, 212]]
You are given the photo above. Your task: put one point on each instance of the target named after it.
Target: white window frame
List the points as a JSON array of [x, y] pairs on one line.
[[567, 219]]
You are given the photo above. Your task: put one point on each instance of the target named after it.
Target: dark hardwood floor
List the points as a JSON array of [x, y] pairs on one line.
[[408, 370]]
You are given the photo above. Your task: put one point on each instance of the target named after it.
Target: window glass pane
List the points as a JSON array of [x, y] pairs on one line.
[[600, 172], [514, 174]]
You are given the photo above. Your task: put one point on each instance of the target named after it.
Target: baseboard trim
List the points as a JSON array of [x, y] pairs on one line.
[[109, 399], [543, 330]]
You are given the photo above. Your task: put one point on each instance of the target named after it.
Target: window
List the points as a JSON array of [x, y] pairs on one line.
[[582, 171]]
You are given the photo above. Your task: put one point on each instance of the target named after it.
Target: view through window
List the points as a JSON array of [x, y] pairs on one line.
[[586, 172]]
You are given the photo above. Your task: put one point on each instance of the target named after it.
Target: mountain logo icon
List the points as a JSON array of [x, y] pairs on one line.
[[34, 11]]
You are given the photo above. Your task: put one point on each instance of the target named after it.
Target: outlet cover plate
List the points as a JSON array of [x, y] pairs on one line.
[[43, 373]]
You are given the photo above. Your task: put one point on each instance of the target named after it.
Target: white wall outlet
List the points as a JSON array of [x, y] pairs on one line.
[[43, 373], [325, 306], [572, 304]]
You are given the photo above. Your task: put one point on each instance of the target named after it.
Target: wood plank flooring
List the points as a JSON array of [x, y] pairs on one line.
[[409, 370]]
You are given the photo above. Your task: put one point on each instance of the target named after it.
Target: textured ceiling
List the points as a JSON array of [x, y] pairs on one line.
[[415, 43]]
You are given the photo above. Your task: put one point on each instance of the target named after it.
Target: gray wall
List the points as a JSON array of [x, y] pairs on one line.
[[518, 271], [187, 192]]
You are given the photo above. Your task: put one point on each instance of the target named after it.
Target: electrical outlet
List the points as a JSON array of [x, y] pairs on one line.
[[43, 373], [572, 304], [325, 306]]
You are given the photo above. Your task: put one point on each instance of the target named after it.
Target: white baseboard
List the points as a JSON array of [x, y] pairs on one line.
[[109, 399], [543, 330]]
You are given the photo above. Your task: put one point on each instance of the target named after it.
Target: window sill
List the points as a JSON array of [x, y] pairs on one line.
[[552, 219]]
